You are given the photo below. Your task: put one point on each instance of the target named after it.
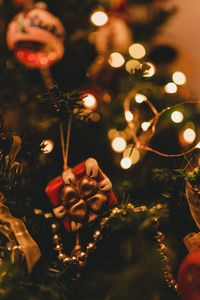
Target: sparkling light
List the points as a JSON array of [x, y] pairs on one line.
[[90, 101], [126, 163], [179, 78], [151, 71], [119, 144], [137, 51], [139, 98], [145, 126], [47, 146], [99, 18], [128, 115], [131, 65], [189, 135], [177, 116], [116, 60], [132, 153], [170, 88]]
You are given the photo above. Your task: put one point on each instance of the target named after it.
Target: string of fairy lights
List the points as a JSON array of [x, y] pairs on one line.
[[119, 140]]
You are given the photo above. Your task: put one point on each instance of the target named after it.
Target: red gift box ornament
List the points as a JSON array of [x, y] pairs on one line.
[[81, 194]]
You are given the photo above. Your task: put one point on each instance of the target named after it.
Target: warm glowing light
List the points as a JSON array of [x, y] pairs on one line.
[[99, 18], [179, 78], [151, 71], [116, 60], [112, 133], [128, 115], [145, 126], [189, 135], [170, 88], [90, 101], [132, 153], [126, 163], [119, 144], [137, 51], [44, 60], [132, 65], [47, 146], [177, 116], [198, 145], [139, 98]]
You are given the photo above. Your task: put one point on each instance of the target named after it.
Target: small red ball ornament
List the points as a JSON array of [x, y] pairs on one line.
[[36, 37], [189, 276]]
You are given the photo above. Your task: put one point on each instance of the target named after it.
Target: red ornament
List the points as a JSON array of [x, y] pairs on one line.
[[36, 37], [81, 194], [189, 276]]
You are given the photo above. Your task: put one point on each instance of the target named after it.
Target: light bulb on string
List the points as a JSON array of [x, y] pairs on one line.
[[145, 126], [170, 88], [139, 98], [99, 18], [198, 145], [116, 60], [128, 115], [179, 78], [151, 71], [118, 144], [177, 116], [137, 51]]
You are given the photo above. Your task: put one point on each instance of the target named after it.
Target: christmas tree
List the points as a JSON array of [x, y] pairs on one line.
[[98, 139]]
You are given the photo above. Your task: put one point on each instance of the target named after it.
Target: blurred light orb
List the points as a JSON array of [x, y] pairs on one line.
[[139, 98], [113, 133], [189, 135], [145, 126], [151, 71], [128, 115], [177, 116], [131, 65], [126, 163], [132, 153], [99, 18], [118, 144], [137, 51], [47, 146], [170, 88], [179, 78], [116, 60], [90, 101]]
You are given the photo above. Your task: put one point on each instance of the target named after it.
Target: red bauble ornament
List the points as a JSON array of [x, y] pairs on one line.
[[36, 37], [81, 194], [189, 276]]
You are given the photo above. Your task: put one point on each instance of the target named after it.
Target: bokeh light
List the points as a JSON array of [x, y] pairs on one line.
[[198, 145], [132, 153], [116, 60], [131, 65], [177, 116], [145, 126], [137, 51], [118, 144], [99, 18], [189, 135], [126, 163], [90, 101], [170, 88], [139, 98], [179, 78], [151, 71], [128, 115], [47, 146], [112, 133]]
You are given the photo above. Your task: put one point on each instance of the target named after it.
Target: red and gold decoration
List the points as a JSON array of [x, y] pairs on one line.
[[36, 37], [20, 243], [81, 194]]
